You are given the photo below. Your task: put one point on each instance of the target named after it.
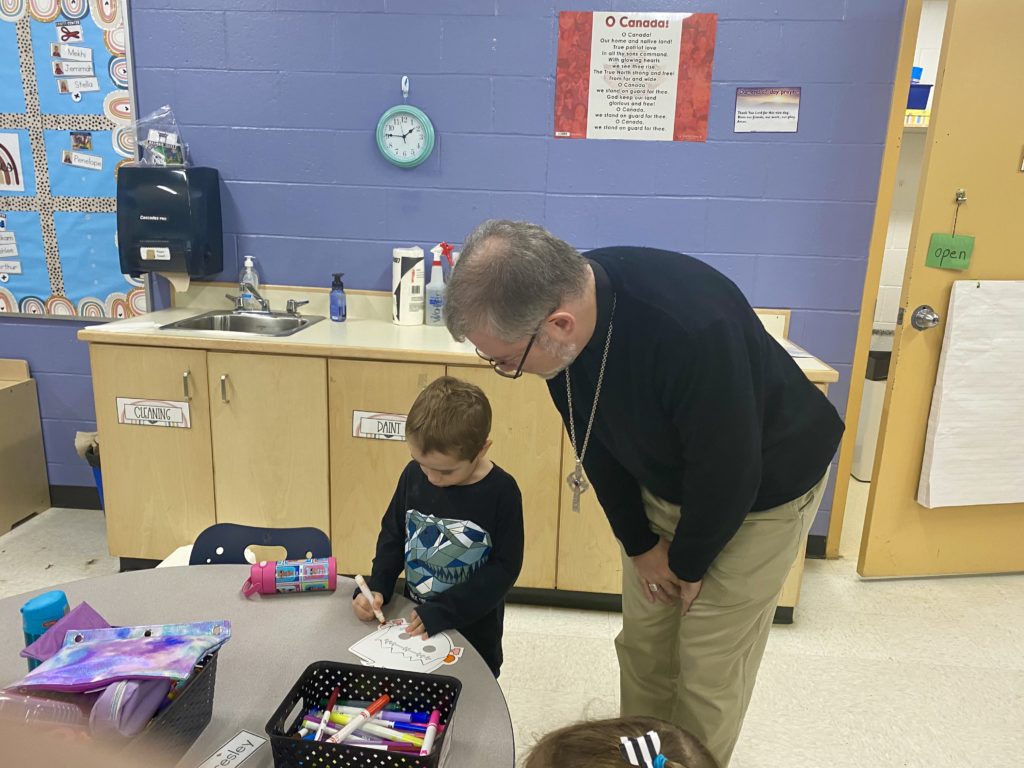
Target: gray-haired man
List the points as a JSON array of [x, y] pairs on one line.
[[707, 447]]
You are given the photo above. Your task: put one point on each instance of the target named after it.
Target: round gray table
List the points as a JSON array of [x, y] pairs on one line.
[[273, 639]]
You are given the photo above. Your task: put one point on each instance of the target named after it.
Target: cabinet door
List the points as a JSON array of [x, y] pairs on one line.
[[157, 480], [525, 432], [364, 472], [269, 419], [588, 552]]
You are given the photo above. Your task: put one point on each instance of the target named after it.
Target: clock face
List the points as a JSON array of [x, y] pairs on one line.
[[405, 136]]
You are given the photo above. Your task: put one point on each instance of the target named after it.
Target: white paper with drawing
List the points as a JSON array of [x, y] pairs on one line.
[[392, 647]]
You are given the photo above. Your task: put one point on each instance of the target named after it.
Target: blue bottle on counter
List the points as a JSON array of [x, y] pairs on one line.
[[338, 309], [39, 614]]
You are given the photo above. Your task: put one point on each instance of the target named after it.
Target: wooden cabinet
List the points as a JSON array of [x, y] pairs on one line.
[[589, 559], [268, 415], [157, 481], [525, 431], [270, 444], [364, 472]]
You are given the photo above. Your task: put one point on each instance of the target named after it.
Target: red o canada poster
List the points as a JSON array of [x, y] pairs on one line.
[[640, 76]]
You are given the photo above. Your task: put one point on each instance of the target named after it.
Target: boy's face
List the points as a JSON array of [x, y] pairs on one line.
[[443, 470]]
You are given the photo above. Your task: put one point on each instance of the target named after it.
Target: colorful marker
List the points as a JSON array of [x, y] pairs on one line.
[[343, 718], [327, 713], [409, 717], [358, 721], [386, 714], [428, 740], [361, 582]]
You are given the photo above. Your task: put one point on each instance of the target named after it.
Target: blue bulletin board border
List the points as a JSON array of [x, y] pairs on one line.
[[60, 155]]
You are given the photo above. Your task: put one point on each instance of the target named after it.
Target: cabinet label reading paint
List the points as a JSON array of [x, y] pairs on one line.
[[378, 426]]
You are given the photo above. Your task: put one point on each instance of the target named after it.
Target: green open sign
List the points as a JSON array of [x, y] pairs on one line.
[[950, 251]]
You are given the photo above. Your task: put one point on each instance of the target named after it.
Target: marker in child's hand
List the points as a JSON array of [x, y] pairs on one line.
[[361, 583]]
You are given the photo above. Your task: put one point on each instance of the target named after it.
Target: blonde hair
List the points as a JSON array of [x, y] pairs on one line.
[[595, 744], [452, 417]]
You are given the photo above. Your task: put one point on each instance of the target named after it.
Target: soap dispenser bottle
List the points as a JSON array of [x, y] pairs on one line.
[[252, 277], [338, 309], [436, 290]]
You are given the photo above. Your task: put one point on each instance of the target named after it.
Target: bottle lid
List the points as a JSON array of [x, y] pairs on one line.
[[44, 609], [337, 280], [248, 261]]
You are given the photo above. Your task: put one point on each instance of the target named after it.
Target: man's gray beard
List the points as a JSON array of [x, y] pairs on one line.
[[567, 353]]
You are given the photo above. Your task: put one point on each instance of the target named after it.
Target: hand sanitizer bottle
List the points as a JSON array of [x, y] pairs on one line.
[[436, 290], [338, 309], [251, 276]]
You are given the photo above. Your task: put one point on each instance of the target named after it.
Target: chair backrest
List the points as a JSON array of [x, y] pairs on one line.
[[225, 543]]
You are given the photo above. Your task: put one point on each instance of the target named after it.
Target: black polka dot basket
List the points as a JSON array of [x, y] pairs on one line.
[[411, 691]]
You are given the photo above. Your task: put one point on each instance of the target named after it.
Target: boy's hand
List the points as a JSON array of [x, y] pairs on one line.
[[363, 610], [415, 626]]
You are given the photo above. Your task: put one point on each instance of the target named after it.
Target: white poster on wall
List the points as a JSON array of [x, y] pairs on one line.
[[975, 436], [767, 110]]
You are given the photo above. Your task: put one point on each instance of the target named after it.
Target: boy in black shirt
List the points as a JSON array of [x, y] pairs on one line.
[[455, 523]]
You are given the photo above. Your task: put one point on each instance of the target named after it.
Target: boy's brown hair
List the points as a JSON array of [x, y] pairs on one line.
[[595, 744], [452, 417]]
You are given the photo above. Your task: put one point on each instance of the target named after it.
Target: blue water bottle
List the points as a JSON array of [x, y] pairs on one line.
[[39, 614]]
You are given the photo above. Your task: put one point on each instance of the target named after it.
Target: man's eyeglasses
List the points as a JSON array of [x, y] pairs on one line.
[[496, 366]]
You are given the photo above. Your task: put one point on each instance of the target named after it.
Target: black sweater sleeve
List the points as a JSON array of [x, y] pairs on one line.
[[719, 415], [389, 560], [619, 494], [465, 603]]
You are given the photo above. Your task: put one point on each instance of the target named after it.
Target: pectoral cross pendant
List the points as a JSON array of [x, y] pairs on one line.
[[578, 483]]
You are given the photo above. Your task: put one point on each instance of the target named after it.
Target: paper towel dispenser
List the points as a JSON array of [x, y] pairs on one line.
[[169, 220]]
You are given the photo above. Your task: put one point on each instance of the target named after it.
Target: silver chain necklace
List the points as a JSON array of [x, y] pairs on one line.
[[577, 482]]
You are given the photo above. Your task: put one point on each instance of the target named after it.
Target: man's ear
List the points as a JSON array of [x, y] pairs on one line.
[[561, 325]]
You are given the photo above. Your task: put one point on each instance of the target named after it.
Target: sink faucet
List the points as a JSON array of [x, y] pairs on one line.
[[247, 287]]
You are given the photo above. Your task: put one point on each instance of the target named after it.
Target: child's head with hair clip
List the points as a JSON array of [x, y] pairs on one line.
[[599, 744]]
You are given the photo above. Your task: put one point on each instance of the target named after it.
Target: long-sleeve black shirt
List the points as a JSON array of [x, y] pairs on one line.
[[461, 585], [700, 405]]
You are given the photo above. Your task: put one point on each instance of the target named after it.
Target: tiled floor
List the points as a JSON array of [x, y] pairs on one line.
[[925, 673]]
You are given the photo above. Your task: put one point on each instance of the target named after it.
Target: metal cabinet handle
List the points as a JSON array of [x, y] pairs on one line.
[[184, 385], [224, 388]]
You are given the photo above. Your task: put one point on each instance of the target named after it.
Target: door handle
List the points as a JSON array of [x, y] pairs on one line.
[[184, 385], [224, 388], [924, 317]]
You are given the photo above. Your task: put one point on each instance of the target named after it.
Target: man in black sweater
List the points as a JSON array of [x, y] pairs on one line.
[[707, 447]]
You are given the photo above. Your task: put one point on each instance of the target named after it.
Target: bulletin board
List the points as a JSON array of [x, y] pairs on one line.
[[66, 127]]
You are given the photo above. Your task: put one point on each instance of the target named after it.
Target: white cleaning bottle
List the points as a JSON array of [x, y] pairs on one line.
[[436, 290], [251, 276]]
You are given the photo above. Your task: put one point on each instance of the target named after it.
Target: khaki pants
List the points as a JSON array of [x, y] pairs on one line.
[[698, 670]]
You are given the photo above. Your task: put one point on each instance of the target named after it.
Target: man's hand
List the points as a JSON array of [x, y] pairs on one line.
[[688, 592], [657, 581], [415, 626], [363, 610]]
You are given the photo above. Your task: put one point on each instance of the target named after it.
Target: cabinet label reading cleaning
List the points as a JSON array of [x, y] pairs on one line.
[[378, 426], [153, 413]]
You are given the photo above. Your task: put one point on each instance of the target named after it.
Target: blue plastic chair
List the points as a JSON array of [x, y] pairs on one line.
[[225, 543]]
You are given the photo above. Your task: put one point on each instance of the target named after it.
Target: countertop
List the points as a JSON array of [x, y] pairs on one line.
[[369, 338]]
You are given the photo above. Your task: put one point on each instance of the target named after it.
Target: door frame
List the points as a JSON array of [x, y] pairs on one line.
[[876, 252]]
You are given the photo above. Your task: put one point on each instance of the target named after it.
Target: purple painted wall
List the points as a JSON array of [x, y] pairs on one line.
[[283, 96]]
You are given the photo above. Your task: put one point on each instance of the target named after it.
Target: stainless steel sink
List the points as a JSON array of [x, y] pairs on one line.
[[258, 323]]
